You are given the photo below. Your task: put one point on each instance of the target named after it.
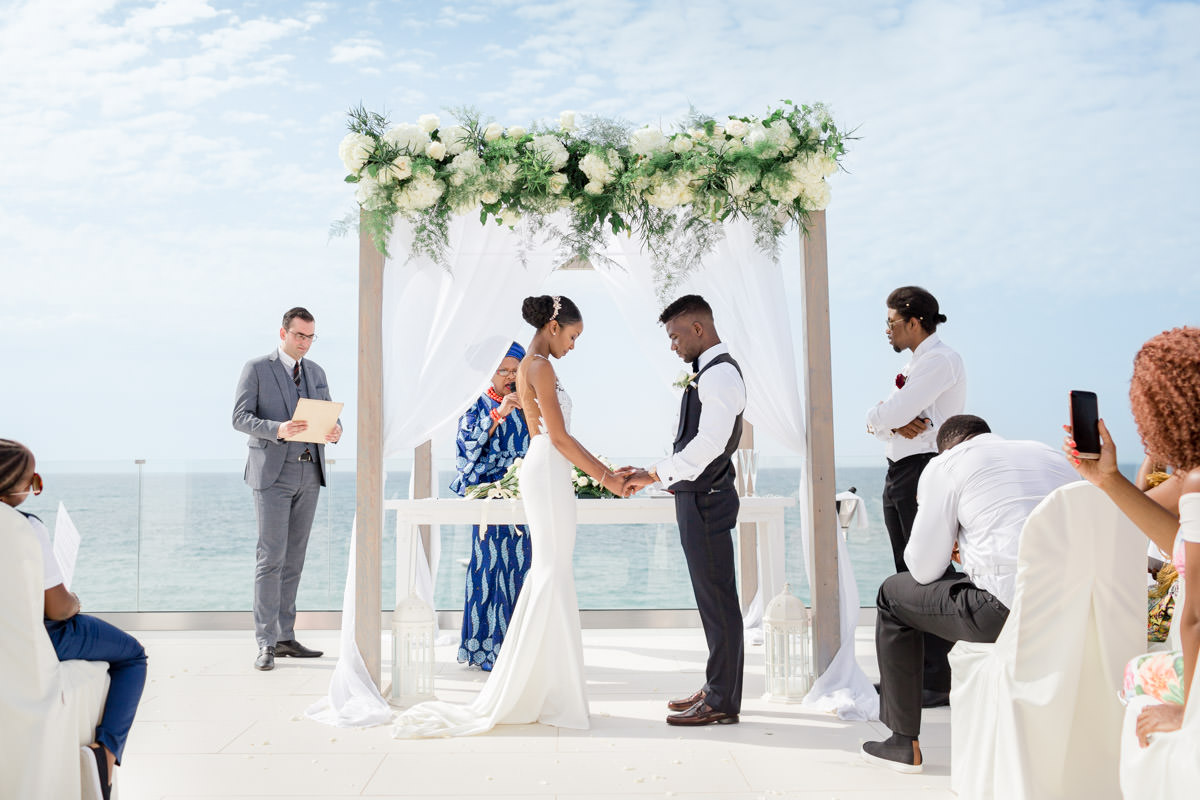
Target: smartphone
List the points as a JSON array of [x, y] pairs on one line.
[[1085, 424]]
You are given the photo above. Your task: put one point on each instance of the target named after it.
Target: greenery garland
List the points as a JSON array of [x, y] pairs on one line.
[[672, 191]]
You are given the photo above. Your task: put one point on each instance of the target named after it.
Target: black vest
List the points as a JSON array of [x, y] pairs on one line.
[[718, 475]]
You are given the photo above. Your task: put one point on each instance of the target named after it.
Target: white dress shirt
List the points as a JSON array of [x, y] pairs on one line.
[[935, 387], [287, 361], [980, 493], [51, 576], [722, 398]]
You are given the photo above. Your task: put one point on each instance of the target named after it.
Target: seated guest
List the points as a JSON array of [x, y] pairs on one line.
[[972, 502], [491, 436], [75, 635], [1165, 397]]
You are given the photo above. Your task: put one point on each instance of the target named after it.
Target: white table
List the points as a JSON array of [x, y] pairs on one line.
[[767, 512]]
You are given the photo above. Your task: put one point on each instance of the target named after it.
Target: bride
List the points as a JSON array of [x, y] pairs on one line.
[[538, 675]]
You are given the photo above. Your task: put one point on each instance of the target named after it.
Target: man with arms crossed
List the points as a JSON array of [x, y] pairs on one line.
[[700, 474], [974, 500], [932, 387], [286, 478]]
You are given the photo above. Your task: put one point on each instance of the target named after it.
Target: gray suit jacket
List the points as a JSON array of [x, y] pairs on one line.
[[266, 398]]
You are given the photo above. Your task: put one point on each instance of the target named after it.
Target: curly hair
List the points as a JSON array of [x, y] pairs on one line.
[[1165, 395]]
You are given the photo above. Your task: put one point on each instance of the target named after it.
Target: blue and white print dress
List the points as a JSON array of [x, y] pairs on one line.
[[500, 557]]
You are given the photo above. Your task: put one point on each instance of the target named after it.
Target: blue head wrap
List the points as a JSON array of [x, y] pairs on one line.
[[516, 351]]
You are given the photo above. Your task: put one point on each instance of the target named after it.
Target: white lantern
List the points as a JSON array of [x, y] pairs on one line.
[[412, 652], [788, 664]]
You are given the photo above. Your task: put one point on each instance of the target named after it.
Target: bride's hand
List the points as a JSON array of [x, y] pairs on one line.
[[615, 483]]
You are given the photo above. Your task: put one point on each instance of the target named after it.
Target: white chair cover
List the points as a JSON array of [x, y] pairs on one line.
[[49, 709], [1036, 714]]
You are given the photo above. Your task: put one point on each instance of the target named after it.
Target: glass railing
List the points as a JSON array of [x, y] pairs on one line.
[[180, 536]]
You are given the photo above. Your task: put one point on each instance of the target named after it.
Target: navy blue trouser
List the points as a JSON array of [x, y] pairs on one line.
[[91, 639]]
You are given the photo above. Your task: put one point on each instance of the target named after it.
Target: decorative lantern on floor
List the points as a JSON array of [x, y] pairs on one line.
[[788, 664], [412, 652]]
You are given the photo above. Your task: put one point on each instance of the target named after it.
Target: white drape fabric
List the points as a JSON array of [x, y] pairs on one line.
[[444, 332], [49, 709], [1035, 715]]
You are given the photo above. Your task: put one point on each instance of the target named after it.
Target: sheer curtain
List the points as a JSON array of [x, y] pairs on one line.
[[444, 332]]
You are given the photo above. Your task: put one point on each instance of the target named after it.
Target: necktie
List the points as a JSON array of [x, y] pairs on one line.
[[296, 374]]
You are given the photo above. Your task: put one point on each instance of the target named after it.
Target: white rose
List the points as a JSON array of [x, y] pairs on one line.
[[681, 144], [552, 149], [455, 139], [737, 128], [354, 150], [594, 187], [407, 137], [493, 132], [581, 480], [829, 166], [420, 193], [516, 132], [435, 150], [597, 169], [428, 122], [566, 120], [506, 172], [733, 145], [398, 170], [557, 183], [647, 141], [718, 131], [489, 197]]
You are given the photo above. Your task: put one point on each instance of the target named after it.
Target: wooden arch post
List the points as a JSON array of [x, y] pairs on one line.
[[818, 408], [368, 564]]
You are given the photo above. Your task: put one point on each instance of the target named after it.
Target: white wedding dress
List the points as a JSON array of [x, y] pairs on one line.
[[538, 676]]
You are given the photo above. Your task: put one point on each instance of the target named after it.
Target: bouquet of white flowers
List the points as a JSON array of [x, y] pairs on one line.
[[507, 488]]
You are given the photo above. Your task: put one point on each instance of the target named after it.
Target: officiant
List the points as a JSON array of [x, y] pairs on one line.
[[492, 434]]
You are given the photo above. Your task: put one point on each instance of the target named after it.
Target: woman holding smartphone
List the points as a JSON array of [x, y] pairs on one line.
[[1165, 396]]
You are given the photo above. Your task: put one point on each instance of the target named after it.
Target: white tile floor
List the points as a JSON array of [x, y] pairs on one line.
[[211, 727]]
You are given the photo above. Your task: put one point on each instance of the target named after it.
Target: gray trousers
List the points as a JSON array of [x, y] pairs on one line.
[[285, 512]]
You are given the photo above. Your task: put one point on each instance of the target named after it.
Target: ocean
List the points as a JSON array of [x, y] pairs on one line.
[[184, 540]]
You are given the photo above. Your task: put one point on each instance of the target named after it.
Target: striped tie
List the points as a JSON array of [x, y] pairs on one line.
[[296, 374]]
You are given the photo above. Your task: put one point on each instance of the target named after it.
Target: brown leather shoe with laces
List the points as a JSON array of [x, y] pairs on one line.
[[702, 714], [686, 703]]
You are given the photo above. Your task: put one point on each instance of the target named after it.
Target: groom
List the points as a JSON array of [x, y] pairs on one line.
[[700, 474]]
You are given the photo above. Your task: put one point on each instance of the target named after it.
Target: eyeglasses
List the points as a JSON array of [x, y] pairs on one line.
[[304, 337], [35, 487], [891, 323], [506, 373]]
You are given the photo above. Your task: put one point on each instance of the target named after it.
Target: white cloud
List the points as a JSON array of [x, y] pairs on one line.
[[352, 51]]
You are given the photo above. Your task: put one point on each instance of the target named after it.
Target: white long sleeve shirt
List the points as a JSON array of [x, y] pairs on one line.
[[722, 398], [935, 387], [979, 493]]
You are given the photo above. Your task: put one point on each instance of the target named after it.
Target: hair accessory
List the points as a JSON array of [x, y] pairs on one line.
[[557, 307]]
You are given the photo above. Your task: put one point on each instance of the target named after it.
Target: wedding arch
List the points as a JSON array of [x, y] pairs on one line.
[[441, 206]]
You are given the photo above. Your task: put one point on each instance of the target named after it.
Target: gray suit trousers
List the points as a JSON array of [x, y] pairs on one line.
[[285, 515]]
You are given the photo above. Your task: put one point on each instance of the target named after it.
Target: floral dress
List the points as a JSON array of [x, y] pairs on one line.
[[1159, 674], [500, 555]]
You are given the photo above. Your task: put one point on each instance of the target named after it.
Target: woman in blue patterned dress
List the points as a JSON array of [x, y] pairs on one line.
[[491, 435]]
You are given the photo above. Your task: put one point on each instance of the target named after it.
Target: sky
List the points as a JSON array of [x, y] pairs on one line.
[[169, 173]]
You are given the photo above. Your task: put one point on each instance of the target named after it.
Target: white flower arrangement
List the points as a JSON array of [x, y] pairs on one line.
[[507, 488], [674, 189], [587, 486]]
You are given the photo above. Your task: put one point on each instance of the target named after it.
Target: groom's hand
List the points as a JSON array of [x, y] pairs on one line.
[[636, 481]]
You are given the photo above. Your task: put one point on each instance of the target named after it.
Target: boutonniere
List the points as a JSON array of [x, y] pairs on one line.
[[685, 379], [900, 380]]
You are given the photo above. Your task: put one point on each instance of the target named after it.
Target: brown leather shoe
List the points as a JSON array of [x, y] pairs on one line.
[[702, 714], [687, 702]]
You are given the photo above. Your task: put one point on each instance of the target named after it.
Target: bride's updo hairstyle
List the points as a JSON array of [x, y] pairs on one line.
[[538, 311]]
